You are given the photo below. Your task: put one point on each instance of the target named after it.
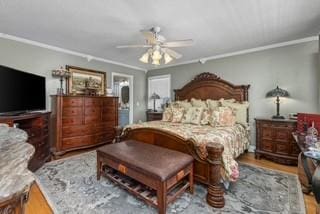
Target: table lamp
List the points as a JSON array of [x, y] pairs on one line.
[[61, 73], [154, 97], [278, 92]]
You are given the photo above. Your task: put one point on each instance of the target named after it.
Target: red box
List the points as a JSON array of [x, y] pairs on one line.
[[305, 118]]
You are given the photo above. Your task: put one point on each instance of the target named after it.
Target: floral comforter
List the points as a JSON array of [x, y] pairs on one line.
[[235, 140]]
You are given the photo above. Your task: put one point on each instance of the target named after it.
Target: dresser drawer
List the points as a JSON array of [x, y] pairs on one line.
[[80, 130], [110, 101], [109, 117], [93, 111], [71, 121], [69, 143], [96, 102], [71, 111], [72, 101], [92, 119]]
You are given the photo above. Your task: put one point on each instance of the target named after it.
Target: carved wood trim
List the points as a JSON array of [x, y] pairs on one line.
[[210, 86]]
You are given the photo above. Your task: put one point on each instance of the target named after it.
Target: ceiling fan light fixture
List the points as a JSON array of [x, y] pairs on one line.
[[156, 55], [145, 58], [167, 58], [155, 62]]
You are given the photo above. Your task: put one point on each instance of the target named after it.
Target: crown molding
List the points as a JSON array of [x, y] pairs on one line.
[[58, 49], [246, 51]]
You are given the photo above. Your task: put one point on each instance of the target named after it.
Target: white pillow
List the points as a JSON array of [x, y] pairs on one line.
[[240, 110], [212, 104]]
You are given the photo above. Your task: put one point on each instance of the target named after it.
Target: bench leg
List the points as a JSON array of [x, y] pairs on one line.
[[162, 198], [191, 181], [99, 167]]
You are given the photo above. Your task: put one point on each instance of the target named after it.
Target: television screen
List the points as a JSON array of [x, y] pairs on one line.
[[21, 91]]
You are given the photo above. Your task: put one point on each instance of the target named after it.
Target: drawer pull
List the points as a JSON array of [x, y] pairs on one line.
[[122, 168], [180, 175]]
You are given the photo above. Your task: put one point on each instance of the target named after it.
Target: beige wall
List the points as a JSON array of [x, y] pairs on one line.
[[294, 68], [41, 61]]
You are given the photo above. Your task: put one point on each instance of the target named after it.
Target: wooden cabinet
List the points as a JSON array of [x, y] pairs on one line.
[[151, 115], [274, 140], [37, 127], [82, 122]]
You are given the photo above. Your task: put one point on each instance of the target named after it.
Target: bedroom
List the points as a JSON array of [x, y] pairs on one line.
[[257, 45]]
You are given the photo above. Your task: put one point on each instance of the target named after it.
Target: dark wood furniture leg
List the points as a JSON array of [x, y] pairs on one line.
[[162, 198], [215, 192], [191, 180]]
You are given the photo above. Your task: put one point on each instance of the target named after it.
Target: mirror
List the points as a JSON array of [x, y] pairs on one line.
[[125, 94]]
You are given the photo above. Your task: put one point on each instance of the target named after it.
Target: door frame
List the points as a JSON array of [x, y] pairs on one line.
[[130, 77]]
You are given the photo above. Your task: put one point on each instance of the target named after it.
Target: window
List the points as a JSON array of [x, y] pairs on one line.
[[160, 85]]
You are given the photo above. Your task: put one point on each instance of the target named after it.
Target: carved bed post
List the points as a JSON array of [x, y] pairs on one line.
[[118, 131], [215, 193]]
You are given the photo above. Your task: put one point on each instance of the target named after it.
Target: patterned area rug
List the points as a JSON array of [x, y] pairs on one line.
[[70, 186]]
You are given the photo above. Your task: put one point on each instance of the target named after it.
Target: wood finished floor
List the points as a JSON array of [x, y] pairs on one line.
[[37, 204]]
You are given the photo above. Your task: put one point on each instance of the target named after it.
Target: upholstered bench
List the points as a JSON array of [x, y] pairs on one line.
[[154, 174]]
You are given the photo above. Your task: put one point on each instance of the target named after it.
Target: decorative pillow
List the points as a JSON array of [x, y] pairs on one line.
[[205, 118], [192, 115], [196, 115], [167, 115], [212, 104], [223, 116], [185, 104], [240, 110], [198, 103], [177, 114]]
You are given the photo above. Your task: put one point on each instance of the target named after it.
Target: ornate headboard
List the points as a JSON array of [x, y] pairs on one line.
[[210, 86]]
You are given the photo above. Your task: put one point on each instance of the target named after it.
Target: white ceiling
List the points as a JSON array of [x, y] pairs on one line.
[[96, 27]]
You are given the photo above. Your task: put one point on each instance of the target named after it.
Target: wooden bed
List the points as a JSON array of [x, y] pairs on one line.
[[203, 86]]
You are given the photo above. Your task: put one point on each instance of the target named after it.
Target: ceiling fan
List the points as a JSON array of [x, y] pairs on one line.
[[158, 47]]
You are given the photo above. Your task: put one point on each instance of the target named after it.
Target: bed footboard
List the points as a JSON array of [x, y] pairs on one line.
[[205, 171]]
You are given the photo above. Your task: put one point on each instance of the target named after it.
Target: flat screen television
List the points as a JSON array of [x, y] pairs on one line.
[[21, 92]]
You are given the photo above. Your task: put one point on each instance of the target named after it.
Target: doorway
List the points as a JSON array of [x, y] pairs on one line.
[[122, 87]]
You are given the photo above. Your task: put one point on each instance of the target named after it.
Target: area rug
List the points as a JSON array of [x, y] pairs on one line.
[[70, 186]]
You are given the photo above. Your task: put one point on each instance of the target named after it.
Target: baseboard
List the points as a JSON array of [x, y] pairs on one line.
[[252, 148]]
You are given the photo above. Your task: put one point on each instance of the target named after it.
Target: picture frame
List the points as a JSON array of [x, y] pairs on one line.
[[82, 80]]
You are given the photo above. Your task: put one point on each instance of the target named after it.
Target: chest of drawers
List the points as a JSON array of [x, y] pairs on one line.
[[274, 140]]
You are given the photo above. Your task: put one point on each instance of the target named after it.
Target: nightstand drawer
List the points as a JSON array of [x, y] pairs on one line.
[[267, 134], [282, 135], [267, 145], [282, 148]]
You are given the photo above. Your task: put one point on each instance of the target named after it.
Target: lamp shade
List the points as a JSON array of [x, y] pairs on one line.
[[278, 92], [155, 96]]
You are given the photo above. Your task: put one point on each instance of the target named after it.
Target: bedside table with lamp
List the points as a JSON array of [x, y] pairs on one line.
[[154, 114], [274, 135]]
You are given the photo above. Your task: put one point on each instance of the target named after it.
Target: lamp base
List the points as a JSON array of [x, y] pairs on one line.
[[278, 117]]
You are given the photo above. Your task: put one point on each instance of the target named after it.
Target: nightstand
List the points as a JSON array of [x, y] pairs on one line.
[[151, 115], [274, 140]]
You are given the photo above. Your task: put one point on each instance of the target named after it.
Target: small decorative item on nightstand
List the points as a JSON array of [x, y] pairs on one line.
[[278, 92]]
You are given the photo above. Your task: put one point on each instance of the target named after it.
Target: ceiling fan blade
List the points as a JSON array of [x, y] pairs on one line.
[[172, 53], [178, 43], [134, 46]]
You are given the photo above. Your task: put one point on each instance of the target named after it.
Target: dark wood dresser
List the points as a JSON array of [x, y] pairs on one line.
[[151, 115], [37, 127], [274, 140], [82, 121]]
